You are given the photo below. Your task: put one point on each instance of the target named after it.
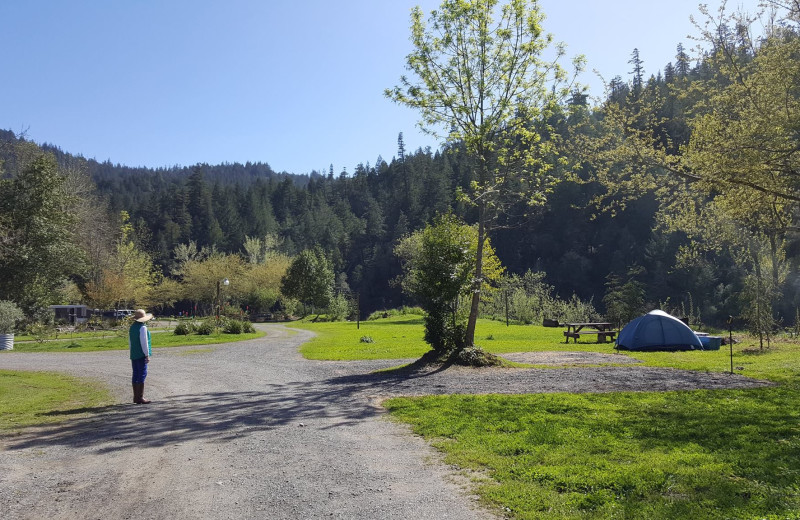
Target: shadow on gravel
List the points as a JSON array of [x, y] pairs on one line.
[[217, 417], [335, 402]]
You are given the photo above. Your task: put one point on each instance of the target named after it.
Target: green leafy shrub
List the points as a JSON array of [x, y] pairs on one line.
[[95, 321], [206, 328], [183, 329], [529, 300], [232, 327], [10, 314], [339, 308], [402, 311], [40, 332], [247, 327]]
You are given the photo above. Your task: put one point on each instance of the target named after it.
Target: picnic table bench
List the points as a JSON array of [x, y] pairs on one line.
[[603, 331]]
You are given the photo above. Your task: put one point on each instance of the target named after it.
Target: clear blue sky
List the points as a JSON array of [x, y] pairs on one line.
[[296, 84]]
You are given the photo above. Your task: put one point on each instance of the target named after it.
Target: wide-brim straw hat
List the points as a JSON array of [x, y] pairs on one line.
[[142, 316]]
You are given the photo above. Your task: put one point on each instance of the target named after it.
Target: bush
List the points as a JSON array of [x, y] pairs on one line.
[[206, 327], [247, 327], [40, 332], [232, 327], [10, 314], [95, 321], [402, 311], [339, 308], [42, 314], [530, 300], [183, 329]]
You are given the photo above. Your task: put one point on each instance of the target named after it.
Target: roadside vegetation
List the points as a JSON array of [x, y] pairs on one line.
[[31, 398], [185, 333]]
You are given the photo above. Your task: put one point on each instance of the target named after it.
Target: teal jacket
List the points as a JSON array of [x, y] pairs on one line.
[[135, 339]]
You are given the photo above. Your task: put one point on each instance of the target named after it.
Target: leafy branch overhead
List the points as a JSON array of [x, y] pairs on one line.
[[479, 79]]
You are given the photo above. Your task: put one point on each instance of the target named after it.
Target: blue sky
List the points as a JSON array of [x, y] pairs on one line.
[[297, 84]]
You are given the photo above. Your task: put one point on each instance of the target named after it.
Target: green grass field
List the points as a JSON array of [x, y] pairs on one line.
[[29, 398], [93, 344], [674, 455], [655, 455], [401, 337]]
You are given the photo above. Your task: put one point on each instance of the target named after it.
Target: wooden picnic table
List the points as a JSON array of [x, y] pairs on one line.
[[602, 330]]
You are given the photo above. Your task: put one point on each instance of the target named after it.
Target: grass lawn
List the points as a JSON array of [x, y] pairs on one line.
[[28, 398], [655, 455], [674, 455], [400, 337], [120, 342]]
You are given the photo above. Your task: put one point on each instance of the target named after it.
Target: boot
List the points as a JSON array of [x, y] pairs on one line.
[[135, 393], [142, 400]]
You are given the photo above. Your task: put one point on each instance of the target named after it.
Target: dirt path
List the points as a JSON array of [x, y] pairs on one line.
[[252, 430]]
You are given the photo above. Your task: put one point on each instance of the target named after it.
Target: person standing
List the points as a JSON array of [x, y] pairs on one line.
[[139, 343]]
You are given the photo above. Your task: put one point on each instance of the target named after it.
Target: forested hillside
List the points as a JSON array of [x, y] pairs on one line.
[[602, 230]]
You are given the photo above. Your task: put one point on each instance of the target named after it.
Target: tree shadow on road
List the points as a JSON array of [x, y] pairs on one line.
[[218, 416], [332, 402]]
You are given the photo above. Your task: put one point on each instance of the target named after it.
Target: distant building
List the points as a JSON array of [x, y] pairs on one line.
[[72, 314]]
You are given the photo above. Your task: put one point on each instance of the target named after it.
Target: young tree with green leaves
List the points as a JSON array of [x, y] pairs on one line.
[[309, 279], [128, 274], [262, 282], [438, 264], [624, 298], [202, 278], [480, 80]]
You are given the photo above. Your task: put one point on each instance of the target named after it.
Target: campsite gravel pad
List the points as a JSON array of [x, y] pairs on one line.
[[252, 430], [558, 358]]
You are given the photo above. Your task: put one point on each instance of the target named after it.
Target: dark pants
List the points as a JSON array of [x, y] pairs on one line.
[[139, 370]]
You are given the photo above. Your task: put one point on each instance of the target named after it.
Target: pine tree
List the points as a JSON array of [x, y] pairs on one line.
[[638, 74], [682, 62]]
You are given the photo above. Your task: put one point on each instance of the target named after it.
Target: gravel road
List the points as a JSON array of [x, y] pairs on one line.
[[252, 430]]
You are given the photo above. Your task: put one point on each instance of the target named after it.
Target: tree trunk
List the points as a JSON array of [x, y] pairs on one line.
[[759, 296], [469, 337], [773, 250]]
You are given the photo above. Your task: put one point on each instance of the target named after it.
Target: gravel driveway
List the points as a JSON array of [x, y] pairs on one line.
[[252, 430]]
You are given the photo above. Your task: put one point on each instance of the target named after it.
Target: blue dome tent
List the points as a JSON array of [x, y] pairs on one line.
[[657, 330]]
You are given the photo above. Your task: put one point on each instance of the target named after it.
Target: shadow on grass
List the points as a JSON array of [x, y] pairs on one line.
[[84, 410], [761, 426], [744, 446]]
